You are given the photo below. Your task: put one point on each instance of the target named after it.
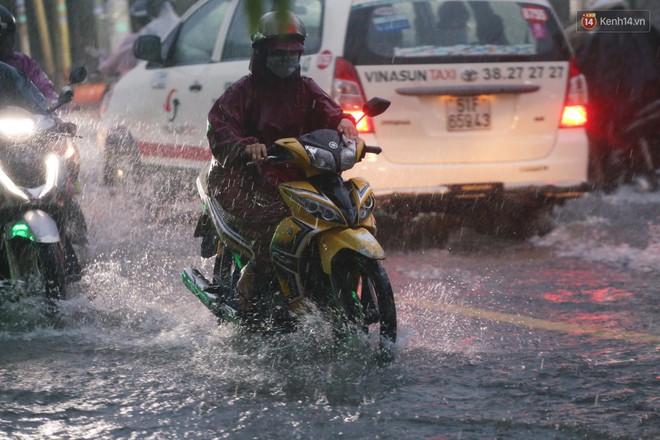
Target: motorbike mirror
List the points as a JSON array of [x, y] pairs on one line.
[[375, 106], [78, 75], [148, 47]]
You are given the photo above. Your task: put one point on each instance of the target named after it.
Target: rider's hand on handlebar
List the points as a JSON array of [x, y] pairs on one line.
[[256, 152], [347, 128]]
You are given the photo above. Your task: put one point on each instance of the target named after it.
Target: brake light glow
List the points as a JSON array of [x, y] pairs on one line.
[[365, 125], [347, 92], [574, 113], [574, 116]]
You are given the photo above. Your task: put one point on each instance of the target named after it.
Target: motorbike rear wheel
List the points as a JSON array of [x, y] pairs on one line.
[[366, 298]]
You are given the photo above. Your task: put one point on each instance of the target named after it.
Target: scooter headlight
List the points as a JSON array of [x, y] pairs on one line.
[[11, 187], [321, 160], [321, 211], [52, 173], [16, 129], [367, 208]]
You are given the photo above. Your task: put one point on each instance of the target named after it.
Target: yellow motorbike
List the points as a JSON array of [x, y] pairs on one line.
[[325, 254]]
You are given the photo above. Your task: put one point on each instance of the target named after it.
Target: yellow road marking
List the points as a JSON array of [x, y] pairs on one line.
[[541, 324]]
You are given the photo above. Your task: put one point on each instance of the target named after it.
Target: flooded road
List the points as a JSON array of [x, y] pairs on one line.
[[553, 338]]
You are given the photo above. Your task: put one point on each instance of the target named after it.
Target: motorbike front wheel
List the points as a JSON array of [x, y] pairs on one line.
[[51, 266], [366, 297]]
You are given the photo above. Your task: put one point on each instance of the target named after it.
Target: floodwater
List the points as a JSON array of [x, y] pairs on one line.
[[553, 338]]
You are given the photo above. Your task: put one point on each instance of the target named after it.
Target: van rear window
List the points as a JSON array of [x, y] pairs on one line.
[[426, 31]]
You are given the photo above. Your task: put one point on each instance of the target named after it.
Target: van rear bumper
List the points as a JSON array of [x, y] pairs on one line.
[[560, 175], [465, 198]]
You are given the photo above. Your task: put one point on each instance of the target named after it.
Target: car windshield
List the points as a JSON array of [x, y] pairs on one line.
[[429, 30]]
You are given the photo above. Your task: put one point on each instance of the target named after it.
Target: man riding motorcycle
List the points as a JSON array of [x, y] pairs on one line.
[[21, 61], [17, 90], [272, 102]]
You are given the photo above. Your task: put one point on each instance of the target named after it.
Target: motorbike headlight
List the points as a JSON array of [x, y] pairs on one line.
[[319, 210], [330, 215], [367, 208], [10, 186], [70, 150], [16, 128], [321, 160], [52, 173]]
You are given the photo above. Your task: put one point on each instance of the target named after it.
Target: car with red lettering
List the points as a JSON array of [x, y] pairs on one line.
[[488, 106]]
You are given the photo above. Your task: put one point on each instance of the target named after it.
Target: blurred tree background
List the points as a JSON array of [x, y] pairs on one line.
[[60, 34]]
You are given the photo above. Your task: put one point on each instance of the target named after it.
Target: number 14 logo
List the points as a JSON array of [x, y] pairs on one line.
[[588, 20]]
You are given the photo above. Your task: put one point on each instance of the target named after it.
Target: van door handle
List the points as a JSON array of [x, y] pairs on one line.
[[195, 87]]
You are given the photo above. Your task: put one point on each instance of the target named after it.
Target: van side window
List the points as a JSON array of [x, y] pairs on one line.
[[197, 36], [238, 45]]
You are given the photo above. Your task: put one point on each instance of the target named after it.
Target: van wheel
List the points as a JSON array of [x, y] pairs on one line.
[[121, 159], [118, 168]]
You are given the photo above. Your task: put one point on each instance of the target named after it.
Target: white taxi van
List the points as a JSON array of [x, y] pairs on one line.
[[487, 114]]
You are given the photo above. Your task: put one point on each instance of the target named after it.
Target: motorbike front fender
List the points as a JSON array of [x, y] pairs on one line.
[[359, 240], [41, 225]]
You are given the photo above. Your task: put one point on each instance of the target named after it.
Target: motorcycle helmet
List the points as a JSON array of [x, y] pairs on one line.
[[276, 34], [7, 22]]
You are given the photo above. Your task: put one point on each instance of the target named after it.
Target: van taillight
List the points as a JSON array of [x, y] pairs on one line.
[[574, 113], [347, 92]]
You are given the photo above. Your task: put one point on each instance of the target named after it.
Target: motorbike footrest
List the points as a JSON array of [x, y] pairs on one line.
[[213, 296]]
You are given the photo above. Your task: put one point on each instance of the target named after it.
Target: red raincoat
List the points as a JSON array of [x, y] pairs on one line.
[[261, 108]]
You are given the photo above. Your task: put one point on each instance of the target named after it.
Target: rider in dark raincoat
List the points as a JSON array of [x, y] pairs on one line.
[[16, 89], [272, 102], [21, 61]]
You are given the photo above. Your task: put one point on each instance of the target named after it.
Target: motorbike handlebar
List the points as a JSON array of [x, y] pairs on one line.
[[273, 153], [372, 149]]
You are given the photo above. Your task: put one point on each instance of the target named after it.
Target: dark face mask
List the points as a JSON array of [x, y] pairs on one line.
[[283, 63]]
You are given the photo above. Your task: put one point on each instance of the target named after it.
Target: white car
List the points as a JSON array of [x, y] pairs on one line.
[[487, 114]]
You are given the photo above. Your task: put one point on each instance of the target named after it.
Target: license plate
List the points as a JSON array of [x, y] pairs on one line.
[[468, 113]]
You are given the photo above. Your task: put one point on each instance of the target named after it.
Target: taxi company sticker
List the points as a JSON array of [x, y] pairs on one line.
[[324, 59], [391, 23], [171, 105], [533, 13], [410, 75], [536, 17], [386, 10], [389, 19], [159, 80]]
